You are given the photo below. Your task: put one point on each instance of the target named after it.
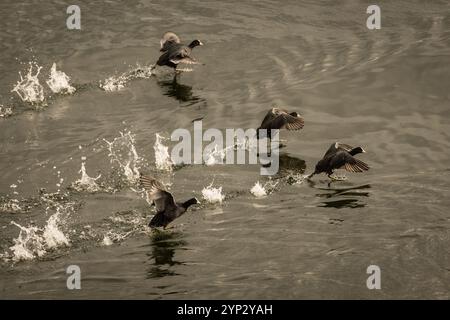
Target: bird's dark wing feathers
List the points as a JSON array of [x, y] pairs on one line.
[[156, 192], [267, 119], [280, 119], [168, 40], [337, 146], [182, 55], [344, 160], [287, 121]]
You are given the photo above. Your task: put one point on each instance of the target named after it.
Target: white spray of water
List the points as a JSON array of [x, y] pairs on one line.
[[5, 111], [117, 83], [163, 161], [11, 206], [258, 190], [53, 236], [33, 242], [217, 156], [28, 88], [59, 82], [122, 151], [107, 241], [28, 244], [213, 195], [86, 183]]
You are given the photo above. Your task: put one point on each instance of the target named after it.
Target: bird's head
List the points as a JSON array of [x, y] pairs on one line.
[[357, 150], [195, 43], [191, 202]]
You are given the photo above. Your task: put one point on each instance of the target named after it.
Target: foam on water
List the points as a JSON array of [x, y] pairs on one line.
[[34, 242], [12, 204], [258, 190], [59, 82], [163, 161], [107, 241], [213, 195], [28, 88], [117, 83], [86, 183], [5, 111], [216, 156], [122, 151]]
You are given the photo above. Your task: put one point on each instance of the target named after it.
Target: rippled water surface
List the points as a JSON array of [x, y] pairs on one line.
[[70, 159]]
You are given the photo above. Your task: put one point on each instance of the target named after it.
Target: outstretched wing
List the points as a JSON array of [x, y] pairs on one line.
[[344, 160], [337, 146], [289, 121], [185, 60], [279, 119], [268, 119], [155, 190], [168, 39]]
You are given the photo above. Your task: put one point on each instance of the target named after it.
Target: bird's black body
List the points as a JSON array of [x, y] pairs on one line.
[[278, 118], [174, 52], [340, 156], [167, 209]]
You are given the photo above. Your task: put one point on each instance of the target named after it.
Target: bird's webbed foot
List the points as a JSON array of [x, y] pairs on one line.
[[335, 177]]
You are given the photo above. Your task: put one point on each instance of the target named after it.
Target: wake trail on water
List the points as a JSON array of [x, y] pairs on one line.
[[37, 93]]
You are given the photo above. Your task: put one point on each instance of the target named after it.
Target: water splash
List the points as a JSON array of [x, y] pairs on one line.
[[11, 206], [216, 156], [213, 195], [122, 151], [59, 82], [163, 161], [28, 88], [52, 235], [258, 190], [117, 83], [5, 112], [34, 242], [86, 183], [107, 241]]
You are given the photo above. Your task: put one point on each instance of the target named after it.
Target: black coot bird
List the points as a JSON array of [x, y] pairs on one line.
[[174, 52], [167, 209], [278, 118], [340, 156]]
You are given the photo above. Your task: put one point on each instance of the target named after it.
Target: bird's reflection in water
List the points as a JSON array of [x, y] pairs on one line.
[[164, 244], [289, 166], [352, 196], [181, 92]]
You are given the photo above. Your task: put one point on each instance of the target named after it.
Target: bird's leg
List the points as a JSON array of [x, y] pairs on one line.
[[309, 176], [166, 228], [333, 177]]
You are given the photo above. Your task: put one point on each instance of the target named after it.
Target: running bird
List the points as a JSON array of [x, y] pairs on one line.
[[174, 52], [340, 156], [278, 118], [167, 209]]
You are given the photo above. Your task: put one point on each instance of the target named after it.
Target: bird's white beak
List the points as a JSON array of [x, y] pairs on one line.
[[364, 151], [200, 43]]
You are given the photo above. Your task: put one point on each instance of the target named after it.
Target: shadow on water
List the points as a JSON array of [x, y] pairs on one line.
[[352, 195], [181, 92], [289, 166], [164, 244]]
